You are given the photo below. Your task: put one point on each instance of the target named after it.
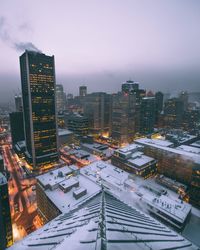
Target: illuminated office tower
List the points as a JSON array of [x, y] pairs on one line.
[[39, 108], [6, 237]]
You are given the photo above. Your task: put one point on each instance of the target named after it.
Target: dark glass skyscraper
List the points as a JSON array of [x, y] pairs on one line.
[[38, 92], [6, 237], [17, 127], [147, 115]]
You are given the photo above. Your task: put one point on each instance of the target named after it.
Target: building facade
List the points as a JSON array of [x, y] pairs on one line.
[[82, 91], [97, 108], [124, 117], [6, 236], [147, 115], [17, 127], [39, 107]]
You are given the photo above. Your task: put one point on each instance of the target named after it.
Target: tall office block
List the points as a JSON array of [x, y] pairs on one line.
[[6, 238], [97, 107], [1, 164], [18, 103], [184, 98], [82, 90], [159, 101], [17, 127], [60, 98], [39, 107], [124, 116], [173, 112], [147, 115]]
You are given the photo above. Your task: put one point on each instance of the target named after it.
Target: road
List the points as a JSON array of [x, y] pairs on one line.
[[22, 198]]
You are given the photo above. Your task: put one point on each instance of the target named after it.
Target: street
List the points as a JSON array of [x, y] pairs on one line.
[[22, 198]]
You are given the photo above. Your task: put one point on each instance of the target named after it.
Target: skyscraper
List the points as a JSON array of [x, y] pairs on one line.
[[97, 107], [6, 238], [173, 111], [124, 116], [39, 107], [82, 90], [159, 106], [1, 164], [17, 127], [18, 103], [60, 98], [147, 115]]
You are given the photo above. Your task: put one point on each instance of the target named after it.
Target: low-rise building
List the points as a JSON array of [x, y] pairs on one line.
[[65, 137], [101, 150], [59, 190], [175, 163], [134, 161]]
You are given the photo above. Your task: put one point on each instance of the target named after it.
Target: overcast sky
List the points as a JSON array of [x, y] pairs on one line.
[[101, 43]]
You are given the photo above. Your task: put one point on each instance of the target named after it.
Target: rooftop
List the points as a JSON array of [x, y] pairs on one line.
[[104, 222], [196, 144], [156, 143], [2, 179], [190, 149], [60, 184], [129, 148], [62, 132], [139, 159]]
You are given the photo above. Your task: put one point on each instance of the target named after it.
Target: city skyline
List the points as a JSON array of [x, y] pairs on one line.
[[103, 44]]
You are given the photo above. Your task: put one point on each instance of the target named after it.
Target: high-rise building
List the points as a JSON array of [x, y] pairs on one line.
[[39, 107], [97, 107], [60, 98], [17, 127], [1, 164], [147, 115], [6, 237], [184, 98], [18, 103], [79, 124], [173, 112], [159, 101], [124, 116], [82, 90], [130, 86]]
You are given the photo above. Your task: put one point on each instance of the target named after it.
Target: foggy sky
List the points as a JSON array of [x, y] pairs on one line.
[[102, 43]]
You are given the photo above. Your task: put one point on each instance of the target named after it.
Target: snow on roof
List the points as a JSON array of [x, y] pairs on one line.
[[189, 149], [2, 179], [51, 178], [196, 144], [156, 143], [104, 217], [62, 178], [69, 183], [130, 147], [139, 159], [173, 208], [62, 132]]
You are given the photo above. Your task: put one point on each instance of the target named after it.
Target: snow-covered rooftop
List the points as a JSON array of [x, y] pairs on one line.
[[58, 181], [62, 132], [156, 143], [196, 144], [190, 149], [130, 148], [2, 179], [104, 222], [139, 159]]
